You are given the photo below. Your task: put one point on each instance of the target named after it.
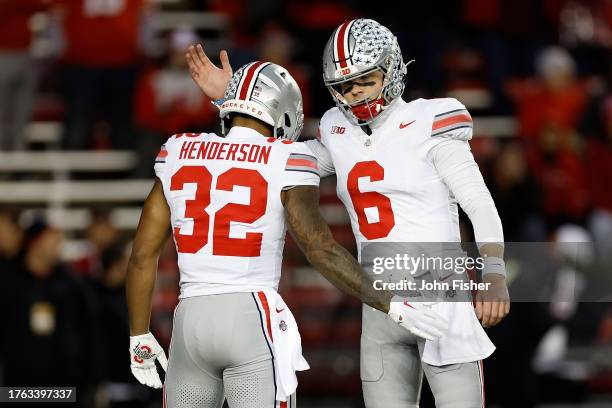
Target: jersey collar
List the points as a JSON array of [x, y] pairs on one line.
[[241, 132], [387, 113]]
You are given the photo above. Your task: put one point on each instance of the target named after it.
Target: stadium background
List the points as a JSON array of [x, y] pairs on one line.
[[89, 89]]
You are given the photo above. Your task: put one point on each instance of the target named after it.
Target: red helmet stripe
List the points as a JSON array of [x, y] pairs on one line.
[[248, 76], [340, 44]]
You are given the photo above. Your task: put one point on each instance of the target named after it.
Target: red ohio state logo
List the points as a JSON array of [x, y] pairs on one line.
[[142, 353], [338, 130]]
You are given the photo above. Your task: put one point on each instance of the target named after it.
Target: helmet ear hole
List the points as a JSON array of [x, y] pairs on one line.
[[287, 120]]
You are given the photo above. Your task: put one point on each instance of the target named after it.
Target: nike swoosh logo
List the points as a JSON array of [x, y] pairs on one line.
[[403, 125], [278, 311]]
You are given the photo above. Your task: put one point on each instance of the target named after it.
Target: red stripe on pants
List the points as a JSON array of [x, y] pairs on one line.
[[264, 303]]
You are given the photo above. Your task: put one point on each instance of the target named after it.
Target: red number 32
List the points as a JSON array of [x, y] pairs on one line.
[[195, 209]]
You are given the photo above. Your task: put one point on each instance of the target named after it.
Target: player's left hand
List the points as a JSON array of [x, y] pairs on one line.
[[493, 304], [144, 350]]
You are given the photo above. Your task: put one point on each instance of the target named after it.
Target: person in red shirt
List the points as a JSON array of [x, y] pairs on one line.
[[549, 108], [561, 176], [556, 98], [598, 166], [277, 45], [18, 73], [102, 53], [166, 101], [598, 159]]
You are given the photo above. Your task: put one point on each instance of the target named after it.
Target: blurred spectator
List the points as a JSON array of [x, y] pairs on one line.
[[517, 337], [561, 176], [549, 110], [18, 70], [321, 15], [100, 235], [510, 48], [312, 23], [239, 16], [580, 278], [555, 99], [11, 239], [278, 46], [516, 196], [103, 44], [598, 160], [586, 29], [50, 336], [122, 390], [168, 102]]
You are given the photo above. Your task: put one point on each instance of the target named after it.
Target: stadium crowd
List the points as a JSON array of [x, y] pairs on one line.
[[117, 80]]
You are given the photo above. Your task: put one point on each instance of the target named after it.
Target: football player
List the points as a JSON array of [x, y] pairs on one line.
[[229, 201], [402, 168]]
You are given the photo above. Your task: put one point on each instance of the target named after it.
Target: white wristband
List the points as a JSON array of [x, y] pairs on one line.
[[493, 264]]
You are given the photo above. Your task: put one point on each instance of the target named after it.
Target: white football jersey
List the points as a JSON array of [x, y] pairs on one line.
[[386, 180], [227, 217], [393, 193]]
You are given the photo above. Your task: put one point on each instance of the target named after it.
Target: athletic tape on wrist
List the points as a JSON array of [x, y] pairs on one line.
[[493, 264]]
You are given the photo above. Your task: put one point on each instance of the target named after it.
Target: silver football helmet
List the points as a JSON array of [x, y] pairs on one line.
[[267, 92], [357, 48]]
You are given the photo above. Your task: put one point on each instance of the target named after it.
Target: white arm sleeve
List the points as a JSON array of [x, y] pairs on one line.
[[456, 166], [326, 166]]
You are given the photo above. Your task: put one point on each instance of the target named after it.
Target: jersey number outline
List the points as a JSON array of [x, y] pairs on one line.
[[222, 244], [363, 200]]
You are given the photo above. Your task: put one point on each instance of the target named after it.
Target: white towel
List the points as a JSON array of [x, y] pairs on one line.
[[285, 341], [464, 341]]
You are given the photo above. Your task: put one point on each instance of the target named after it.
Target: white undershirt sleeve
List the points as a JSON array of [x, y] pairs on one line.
[[456, 166], [326, 166]]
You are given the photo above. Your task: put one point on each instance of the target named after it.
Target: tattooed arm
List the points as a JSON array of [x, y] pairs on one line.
[[333, 261]]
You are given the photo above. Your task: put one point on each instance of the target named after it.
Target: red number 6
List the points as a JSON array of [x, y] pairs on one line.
[[361, 201]]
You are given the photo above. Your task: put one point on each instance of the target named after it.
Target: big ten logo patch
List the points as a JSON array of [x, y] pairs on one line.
[[339, 130]]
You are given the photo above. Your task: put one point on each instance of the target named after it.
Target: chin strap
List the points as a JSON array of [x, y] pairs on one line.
[[369, 110]]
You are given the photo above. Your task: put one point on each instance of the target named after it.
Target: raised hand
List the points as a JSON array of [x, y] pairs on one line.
[[211, 79]]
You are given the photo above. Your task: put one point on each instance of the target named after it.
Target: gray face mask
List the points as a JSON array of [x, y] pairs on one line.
[[356, 48]]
